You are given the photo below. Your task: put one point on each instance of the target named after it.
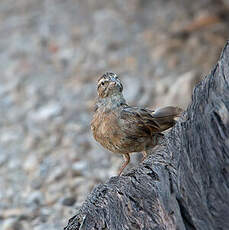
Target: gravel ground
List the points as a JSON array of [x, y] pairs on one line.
[[51, 54]]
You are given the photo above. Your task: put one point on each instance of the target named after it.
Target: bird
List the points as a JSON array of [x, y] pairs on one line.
[[125, 129]]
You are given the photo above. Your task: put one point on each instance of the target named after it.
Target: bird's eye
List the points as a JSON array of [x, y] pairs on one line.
[[102, 83]]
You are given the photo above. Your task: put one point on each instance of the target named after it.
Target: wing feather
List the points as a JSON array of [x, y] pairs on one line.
[[137, 122]]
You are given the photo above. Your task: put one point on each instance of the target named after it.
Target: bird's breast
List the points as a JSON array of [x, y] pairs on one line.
[[112, 133], [106, 130]]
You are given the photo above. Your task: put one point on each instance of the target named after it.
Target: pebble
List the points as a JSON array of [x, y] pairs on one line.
[[31, 162], [36, 198], [68, 201], [11, 224], [3, 157], [46, 112], [79, 168], [57, 173]]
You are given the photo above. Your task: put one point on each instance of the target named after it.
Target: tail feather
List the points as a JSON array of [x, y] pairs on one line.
[[166, 116]]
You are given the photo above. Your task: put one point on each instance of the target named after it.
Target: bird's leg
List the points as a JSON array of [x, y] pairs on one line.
[[127, 160], [144, 153]]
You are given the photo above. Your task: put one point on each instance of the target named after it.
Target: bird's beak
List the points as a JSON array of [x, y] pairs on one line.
[[116, 82]]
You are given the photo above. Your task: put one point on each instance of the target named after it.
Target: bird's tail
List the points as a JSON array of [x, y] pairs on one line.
[[166, 116]]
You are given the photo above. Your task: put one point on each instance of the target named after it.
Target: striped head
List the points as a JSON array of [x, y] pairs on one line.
[[109, 84]]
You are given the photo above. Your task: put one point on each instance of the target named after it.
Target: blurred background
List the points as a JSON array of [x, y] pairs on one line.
[[51, 54]]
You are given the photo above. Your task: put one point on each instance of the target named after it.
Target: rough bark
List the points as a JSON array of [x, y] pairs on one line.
[[184, 183]]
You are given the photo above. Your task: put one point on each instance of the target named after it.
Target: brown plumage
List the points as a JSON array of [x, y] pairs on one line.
[[125, 129]]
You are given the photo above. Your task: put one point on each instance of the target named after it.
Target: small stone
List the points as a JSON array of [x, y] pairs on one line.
[[11, 224], [3, 158], [57, 173], [35, 198], [14, 163], [36, 183], [11, 135], [79, 168], [30, 163], [14, 212], [46, 112], [68, 201], [43, 226]]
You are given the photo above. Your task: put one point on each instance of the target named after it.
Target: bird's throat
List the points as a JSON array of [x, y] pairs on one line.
[[111, 102]]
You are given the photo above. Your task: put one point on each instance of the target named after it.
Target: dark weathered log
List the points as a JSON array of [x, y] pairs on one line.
[[184, 183]]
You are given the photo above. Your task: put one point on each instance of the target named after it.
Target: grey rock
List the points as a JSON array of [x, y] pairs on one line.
[[3, 157], [57, 173], [79, 168], [11, 224], [43, 226], [68, 201], [46, 112], [179, 92], [31, 162], [36, 198]]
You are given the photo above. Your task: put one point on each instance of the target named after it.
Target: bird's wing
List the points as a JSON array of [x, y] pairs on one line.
[[166, 116], [167, 112], [138, 122]]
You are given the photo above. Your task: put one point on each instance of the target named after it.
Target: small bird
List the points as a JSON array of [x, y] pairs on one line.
[[124, 129]]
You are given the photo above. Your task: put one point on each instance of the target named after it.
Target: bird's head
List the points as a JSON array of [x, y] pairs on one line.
[[108, 85]]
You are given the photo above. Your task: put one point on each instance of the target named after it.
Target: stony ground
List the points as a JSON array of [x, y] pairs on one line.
[[51, 53]]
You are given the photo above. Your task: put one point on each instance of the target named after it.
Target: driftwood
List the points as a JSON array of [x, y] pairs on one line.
[[184, 183]]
